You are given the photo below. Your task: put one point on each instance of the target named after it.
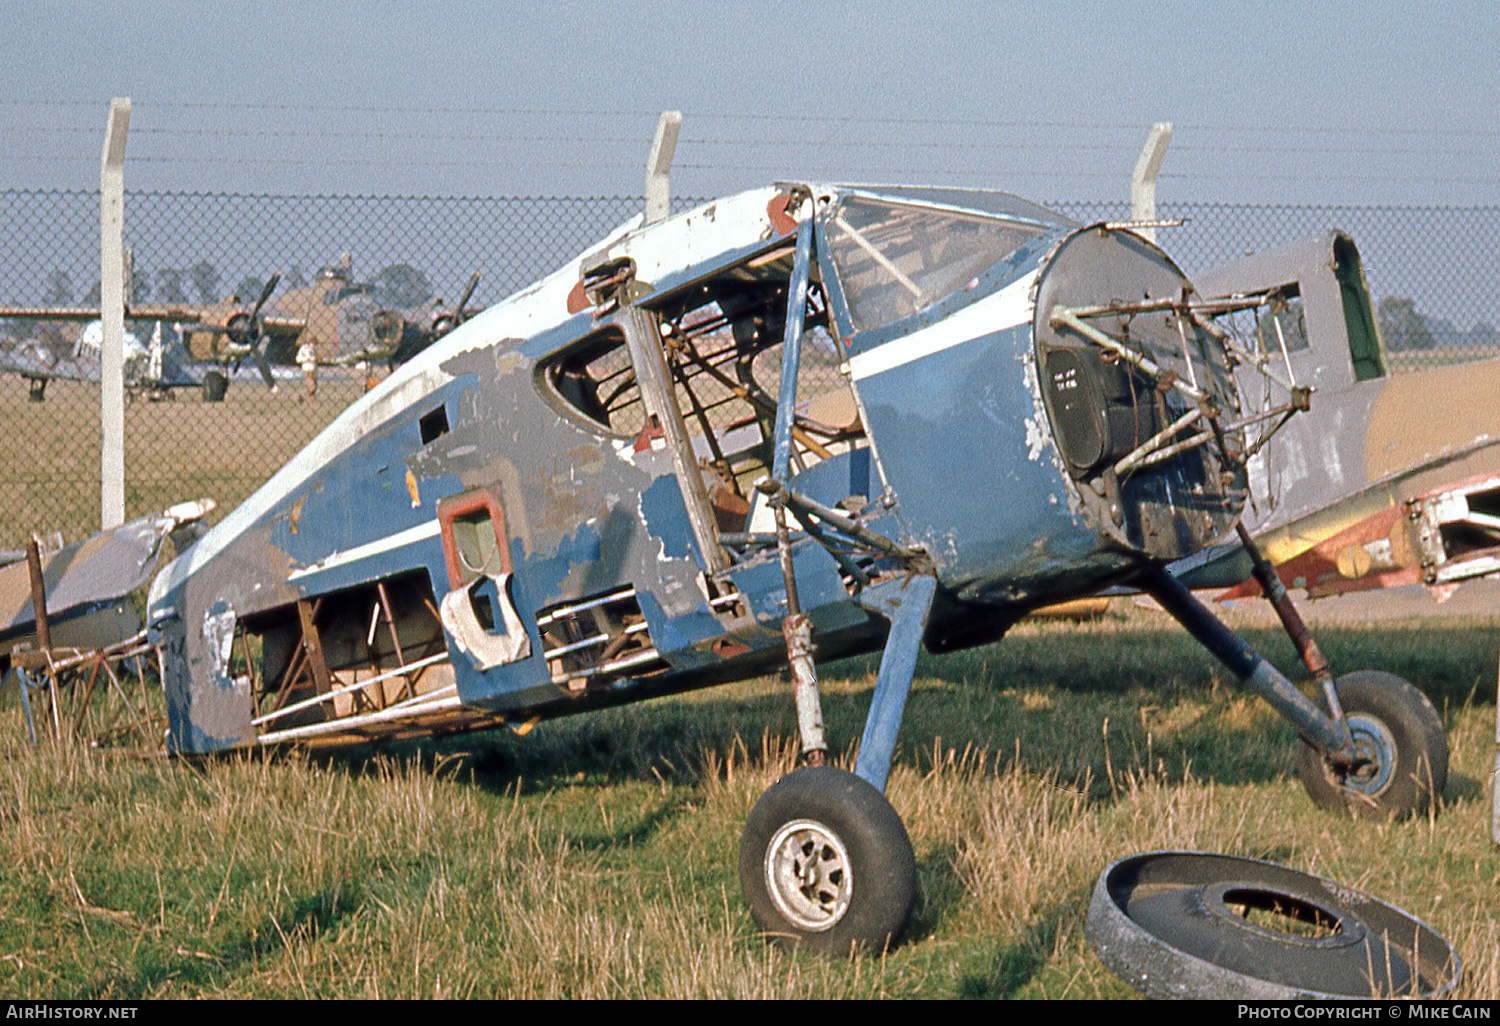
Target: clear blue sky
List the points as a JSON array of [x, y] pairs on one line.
[[1295, 102]]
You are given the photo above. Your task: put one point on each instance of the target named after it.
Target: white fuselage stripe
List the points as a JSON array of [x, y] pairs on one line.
[[1004, 309], [395, 541]]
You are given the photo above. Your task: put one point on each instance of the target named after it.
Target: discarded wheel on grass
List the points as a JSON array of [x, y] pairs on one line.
[[1201, 925], [1402, 764], [826, 864]]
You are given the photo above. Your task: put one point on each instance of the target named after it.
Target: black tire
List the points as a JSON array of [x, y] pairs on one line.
[[1400, 732], [861, 896], [215, 386]]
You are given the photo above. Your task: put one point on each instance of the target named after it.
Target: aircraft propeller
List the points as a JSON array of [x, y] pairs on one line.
[[244, 329], [446, 322], [390, 327]]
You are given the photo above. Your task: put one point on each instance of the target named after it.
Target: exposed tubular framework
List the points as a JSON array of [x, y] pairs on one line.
[[1166, 443]]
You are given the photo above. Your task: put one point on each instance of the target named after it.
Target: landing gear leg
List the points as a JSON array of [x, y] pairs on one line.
[[825, 861], [1383, 752]]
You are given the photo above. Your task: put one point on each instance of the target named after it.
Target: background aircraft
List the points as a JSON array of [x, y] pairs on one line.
[[155, 369], [1386, 479], [341, 322]]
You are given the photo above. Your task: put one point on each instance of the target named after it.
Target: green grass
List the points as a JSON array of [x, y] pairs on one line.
[[596, 856]]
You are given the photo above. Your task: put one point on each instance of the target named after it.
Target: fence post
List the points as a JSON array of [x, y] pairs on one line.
[[112, 288], [659, 165], [1143, 180]]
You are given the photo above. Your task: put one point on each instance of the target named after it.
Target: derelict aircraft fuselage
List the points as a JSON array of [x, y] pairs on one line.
[[804, 417]]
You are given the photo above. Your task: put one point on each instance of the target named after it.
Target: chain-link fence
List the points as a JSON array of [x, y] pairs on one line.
[[342, 257]]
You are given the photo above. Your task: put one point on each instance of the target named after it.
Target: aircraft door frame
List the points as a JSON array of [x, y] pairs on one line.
[[505, 637]]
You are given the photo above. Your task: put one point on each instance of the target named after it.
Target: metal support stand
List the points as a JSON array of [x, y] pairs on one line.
[[906, 602], [1329, 736], [1495, 776], [1296, 629]]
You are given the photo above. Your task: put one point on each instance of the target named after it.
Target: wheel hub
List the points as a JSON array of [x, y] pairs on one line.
[[1374, 756], [808, 875]]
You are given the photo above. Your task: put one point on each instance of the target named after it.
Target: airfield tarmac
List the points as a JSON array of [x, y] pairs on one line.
[[1474, 600]]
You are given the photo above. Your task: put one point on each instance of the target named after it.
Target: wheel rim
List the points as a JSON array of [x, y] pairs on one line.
[[808, 875], [1375, 748]]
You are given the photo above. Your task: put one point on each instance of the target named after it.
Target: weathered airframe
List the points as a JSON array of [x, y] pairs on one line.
[[803, 418]]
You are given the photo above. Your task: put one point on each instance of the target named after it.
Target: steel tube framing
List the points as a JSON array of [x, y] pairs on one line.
[[328, 696], [1063, 316], [1314, 726], [791, 351]]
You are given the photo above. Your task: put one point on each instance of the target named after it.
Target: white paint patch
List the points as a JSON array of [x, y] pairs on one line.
[[485, 648], [1328, 446], [1007, 308], [431, 529], [1036, 440]]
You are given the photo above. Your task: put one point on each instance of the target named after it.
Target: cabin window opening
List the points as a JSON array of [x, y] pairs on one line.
[[721, 340], [1366, 350], [477, 545], [723, 351], [434, 425], [595, 380], [895, 259], [1284, 323]]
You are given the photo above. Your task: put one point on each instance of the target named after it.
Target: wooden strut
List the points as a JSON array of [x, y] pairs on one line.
[[43, 629], [390, 618], [88, 691], [294, 667]]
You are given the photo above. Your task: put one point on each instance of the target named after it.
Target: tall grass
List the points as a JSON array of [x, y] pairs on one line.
[[596, 857]]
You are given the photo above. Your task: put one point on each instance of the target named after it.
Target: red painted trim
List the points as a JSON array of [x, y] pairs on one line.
[[449, 509]]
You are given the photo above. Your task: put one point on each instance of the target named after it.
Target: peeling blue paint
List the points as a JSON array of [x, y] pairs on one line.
[[666, 518]]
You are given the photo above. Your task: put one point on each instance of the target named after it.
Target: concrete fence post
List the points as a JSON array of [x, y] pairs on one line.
[[1143, 180], [112, 292], [659, 166]]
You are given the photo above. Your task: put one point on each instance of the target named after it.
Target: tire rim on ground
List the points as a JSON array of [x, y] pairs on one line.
[[1205, 925]]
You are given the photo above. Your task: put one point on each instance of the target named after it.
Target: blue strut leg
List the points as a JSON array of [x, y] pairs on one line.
[[906, 602]]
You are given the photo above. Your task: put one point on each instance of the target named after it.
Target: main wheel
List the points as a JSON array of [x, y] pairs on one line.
[[1403, 753], [826, 864], [215, 386]]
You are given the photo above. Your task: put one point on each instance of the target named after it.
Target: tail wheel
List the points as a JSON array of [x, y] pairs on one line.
[[1402, 751], [826, 864]]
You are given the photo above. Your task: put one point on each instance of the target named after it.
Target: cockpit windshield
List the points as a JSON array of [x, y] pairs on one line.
[[894, 259]]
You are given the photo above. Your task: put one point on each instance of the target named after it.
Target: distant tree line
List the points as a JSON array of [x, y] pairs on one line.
[[1405, 329]]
